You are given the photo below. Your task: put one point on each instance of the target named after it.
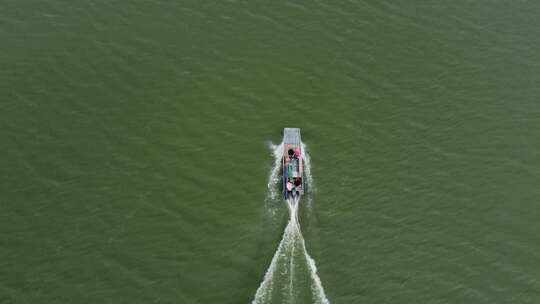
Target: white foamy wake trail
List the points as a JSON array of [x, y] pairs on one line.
[[307, 175], [291, 264], [307, 168], [274, 178], [278, 285]]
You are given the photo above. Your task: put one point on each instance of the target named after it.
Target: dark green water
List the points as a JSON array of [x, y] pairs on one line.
[[135, 159]]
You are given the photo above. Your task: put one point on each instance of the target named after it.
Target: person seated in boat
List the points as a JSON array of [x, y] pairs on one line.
[[290, 171], [289, 186], [290, 152]]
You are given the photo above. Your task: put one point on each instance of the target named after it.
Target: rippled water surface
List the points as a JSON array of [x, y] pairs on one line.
[[135, 162]]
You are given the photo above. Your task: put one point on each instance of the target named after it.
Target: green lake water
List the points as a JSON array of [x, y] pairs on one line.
[[136, 150]]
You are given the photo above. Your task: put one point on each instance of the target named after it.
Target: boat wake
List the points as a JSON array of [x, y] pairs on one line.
[[292, 274], [275, 178]]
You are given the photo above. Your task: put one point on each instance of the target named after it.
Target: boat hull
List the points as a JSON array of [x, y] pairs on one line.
[[293, 177]]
